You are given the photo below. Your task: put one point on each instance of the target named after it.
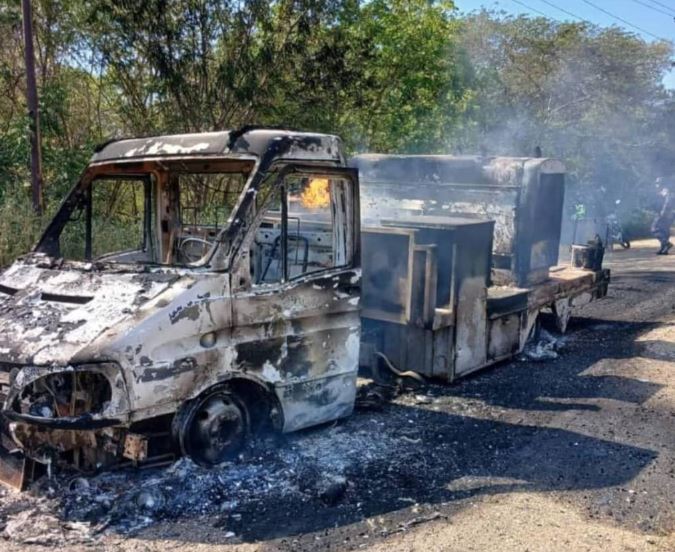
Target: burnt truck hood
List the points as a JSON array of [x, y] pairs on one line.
[[49, 315]]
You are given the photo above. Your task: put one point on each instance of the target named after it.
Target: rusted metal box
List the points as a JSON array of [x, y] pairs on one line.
[[524, 196], [424, 296]]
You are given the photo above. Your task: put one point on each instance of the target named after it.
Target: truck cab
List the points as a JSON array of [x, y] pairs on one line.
[[193, 286]]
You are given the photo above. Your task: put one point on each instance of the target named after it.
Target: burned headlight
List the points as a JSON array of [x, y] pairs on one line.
[[96, 390]]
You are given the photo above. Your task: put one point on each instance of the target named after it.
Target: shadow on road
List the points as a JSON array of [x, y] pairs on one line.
[[555, 384], [427, 452]]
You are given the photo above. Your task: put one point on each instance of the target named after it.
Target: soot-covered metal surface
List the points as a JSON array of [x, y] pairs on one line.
[[95, 355], [524, 196]]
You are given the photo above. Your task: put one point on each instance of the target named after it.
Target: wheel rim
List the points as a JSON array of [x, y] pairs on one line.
[[216, 429]]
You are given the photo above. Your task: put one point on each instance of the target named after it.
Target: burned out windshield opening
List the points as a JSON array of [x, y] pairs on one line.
[[112, 221], [168, 212], [205, 203]]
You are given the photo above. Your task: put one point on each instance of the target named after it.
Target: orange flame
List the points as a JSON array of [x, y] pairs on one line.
[[316, 195]]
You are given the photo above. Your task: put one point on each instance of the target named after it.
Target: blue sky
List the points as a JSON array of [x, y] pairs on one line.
[[651, 21]]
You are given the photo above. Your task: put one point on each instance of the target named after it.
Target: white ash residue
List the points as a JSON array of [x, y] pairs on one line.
[[308, 466], [545, 347]]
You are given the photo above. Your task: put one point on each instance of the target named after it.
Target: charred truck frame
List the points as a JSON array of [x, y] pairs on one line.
[[470, 245], [194, 288]]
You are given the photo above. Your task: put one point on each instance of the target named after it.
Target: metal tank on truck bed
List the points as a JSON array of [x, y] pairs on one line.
[[524, 196], [433, 216]]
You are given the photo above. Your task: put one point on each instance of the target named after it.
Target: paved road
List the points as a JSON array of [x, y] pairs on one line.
[[575, 453]]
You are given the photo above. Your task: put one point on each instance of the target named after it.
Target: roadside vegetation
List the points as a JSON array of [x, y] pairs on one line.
[[404, 76]]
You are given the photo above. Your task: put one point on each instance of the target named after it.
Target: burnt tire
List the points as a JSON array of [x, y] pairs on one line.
[[212, 428]]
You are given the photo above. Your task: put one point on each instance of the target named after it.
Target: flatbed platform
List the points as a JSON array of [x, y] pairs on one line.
[[565, 288], [563, 282]]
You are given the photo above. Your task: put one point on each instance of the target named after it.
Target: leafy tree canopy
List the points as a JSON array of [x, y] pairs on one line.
[[404, 76]]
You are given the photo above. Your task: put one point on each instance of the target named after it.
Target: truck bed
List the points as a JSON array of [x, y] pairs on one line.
[[568, 282], [563, 282]]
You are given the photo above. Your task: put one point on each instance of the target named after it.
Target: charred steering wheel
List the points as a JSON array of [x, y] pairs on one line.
[[193, 249]]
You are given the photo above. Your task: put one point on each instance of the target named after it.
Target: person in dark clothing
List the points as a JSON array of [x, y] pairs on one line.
[[664, 219]]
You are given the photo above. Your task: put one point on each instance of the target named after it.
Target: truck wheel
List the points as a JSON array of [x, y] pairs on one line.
[[213, 428]]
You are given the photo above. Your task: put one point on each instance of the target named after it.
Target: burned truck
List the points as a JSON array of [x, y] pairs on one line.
[[194, 289], [471, 246], [189, 289]]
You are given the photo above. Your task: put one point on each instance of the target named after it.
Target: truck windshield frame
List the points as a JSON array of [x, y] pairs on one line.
[[146, 218], [169, 211]]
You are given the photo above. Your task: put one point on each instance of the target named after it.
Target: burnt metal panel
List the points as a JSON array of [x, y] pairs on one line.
[[539, 224], [472, 277], [523, 196], [303, 338], [504, 336], [254, 142], [387, 273]]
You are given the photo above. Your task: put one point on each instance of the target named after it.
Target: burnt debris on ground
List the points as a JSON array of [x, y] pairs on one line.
[[394, 460]]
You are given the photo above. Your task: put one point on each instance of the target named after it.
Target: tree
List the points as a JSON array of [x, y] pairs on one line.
[[590, 96], [385, 74], [388, 77]]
